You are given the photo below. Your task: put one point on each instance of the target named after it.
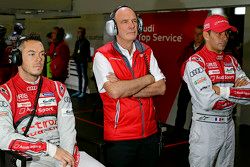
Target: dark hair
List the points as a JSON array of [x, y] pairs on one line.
[[49, 35], [200, 27], [83, 30], [60, 33], [31, 36]]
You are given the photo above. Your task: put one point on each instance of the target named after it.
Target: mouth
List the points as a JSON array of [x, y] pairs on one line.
[[38, 66]]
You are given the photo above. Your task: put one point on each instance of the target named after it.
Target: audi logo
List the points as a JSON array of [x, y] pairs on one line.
[[196, 71]]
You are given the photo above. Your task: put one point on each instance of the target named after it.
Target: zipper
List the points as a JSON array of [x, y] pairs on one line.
[[117, 114], [142, 116]]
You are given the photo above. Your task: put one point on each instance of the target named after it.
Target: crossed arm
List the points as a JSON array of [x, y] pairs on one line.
[[144, 86]]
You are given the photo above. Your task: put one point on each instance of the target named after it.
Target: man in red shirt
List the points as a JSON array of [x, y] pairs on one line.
[[128, 76], [60, 54]]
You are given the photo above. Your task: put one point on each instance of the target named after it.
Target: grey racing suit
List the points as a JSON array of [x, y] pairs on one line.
[[53, 125], [212, 135]]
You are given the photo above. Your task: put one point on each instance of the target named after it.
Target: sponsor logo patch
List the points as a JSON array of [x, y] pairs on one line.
[[3, 104], [212, 65], [24, 104], [48, 101], [229, 70], [213, 72], [3, 113], [30, 88], [47, 94], [200, 80], [196, 71], [67, 112]]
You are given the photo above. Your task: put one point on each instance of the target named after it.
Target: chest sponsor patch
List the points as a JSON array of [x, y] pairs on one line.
[[48, 101], [213, 72], [22, 97], [229, 70], [212, 65], [47, 94], [24, 104]]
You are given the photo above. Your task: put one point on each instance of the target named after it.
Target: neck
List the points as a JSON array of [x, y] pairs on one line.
[[213, 50], [27, 77], [126, 45]]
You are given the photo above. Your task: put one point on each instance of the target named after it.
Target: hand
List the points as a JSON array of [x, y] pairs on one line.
[[216, 89], [112, 78], [241, 82], [152, 78], [64, 157]]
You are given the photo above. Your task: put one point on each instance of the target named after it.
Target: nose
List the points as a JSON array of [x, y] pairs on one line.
[[40, 57], [132, 24]]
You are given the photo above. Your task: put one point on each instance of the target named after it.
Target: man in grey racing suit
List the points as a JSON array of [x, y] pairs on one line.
[[51, 138], [212, 135]]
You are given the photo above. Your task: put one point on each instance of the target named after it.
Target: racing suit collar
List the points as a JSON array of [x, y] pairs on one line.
[[20, 83]]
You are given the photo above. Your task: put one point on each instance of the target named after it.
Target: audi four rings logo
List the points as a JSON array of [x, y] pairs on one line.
[[3, 104], [196, 71], [31, 88]]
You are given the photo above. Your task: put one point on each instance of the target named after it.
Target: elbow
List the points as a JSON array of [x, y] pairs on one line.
[[162, 89]]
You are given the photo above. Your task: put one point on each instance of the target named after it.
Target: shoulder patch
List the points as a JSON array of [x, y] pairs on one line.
[[5, 92], [198, 59], [61, 88]]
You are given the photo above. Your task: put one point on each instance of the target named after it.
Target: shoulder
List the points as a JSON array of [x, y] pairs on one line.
[[6, 91], [60, 88], [55, 86], [198, 58], [106, 49], [146, 47]]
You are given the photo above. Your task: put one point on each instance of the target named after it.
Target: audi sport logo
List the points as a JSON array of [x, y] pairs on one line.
[[196, 71]]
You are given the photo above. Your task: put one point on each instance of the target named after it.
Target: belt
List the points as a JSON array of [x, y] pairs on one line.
[[212, 118]]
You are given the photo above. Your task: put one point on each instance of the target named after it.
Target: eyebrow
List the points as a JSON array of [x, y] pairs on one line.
[[35, 51]]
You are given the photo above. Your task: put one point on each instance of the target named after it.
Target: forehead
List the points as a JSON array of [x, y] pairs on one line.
[[33, 44], [124, 13]]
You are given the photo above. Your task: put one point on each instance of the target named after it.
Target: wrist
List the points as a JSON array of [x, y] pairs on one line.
[[51, 149]]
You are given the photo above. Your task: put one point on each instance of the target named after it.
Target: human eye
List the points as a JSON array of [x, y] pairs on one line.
[[124, 21], [42, 54], [31, 53], [135, 20]]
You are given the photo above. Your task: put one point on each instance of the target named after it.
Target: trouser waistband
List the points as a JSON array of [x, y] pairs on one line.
[[212, 118]]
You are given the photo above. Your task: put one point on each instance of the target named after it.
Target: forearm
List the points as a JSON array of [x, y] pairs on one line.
[[126, 88], [67, 131], [239, 95], [157, 88]]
